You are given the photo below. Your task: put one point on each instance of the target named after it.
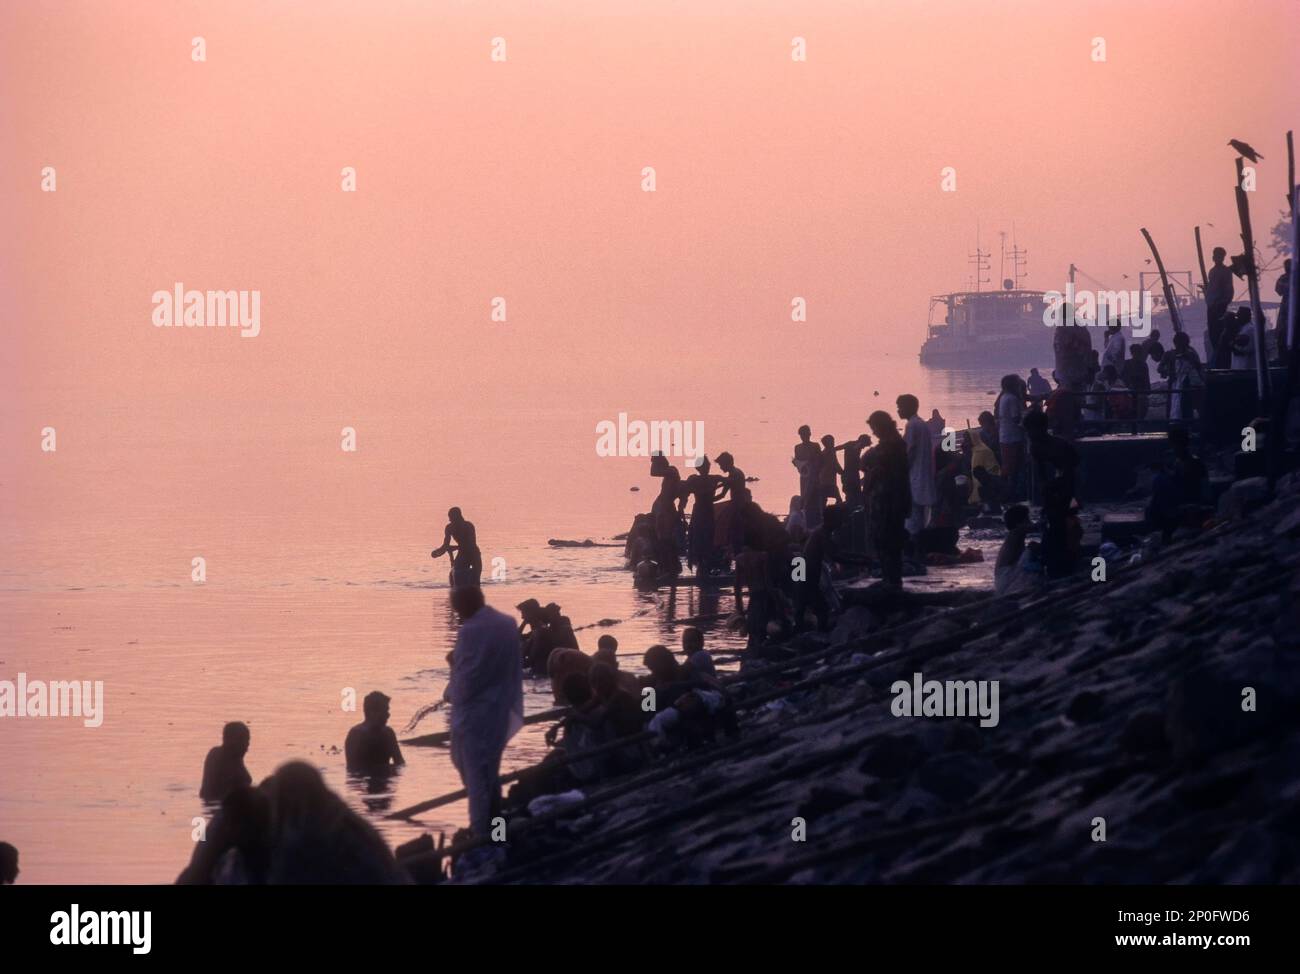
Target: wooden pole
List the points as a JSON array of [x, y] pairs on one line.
[[1164, 283], [1205, 280], [1200, 259], [1291, 360], [1292, 192], [1290, 172], [1262, 380], [1291, 295], [442, 737]]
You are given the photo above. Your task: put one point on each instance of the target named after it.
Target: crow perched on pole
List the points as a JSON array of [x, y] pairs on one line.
[[1245, 150]]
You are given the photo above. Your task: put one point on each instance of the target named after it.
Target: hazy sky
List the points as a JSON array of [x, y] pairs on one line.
[[522, 179]]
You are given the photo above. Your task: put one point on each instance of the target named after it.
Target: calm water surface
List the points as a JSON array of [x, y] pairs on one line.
[[319, 579]]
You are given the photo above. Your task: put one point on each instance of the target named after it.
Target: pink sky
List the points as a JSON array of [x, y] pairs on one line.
[[522, 179]]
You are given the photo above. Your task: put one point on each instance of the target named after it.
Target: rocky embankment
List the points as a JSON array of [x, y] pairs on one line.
[[1148, 731]]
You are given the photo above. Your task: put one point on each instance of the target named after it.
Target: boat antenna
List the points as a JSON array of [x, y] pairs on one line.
[[1018, 258], [979, 260]]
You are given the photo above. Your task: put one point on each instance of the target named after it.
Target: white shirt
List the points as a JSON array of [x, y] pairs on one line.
[[920, 462], [1115, 351], [1009, 414], [486, 690]]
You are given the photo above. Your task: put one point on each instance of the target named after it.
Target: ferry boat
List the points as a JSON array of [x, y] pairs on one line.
[[970, 329], [989, 327], [1007, 328]]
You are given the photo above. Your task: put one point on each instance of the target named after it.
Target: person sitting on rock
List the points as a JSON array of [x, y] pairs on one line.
[[695, 718], [579, 730], [699, 661], [619, 707], [532, 623], [618, 714], [607, 653], [550, 630], [562, 664], [662, 666], [819, 552], [668, 679]]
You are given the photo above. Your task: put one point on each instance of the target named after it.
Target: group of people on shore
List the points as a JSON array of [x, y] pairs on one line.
[[872, 502], [1095, 388], [1116, 383], [865, 504]]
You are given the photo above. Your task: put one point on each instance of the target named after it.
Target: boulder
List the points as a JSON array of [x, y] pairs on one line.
[[1243, 497]]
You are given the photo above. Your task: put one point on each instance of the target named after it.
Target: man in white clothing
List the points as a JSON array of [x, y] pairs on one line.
[[1116, 349], [486, 692]]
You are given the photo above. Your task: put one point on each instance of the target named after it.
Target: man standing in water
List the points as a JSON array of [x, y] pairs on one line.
[[466, 559], [665, 516], [223, 768], [486, 693], [705, 488]]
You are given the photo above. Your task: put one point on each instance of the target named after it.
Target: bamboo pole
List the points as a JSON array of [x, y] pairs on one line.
[[1290, 171], [442, 737], [1286, 331], [1200, 259], [1292, 389], [1263, 383], [1164, 282], [1291, 295], [1292, 191]]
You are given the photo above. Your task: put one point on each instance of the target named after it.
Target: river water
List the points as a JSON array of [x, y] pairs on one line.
[[318, 577]]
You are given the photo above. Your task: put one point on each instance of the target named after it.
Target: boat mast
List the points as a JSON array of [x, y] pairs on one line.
[[1017, 258], [979, 260]]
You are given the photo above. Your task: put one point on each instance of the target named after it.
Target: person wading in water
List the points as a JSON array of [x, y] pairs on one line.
[[466, 559]]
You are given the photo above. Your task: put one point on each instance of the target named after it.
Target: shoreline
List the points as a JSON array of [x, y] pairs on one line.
[[1121, 701]]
